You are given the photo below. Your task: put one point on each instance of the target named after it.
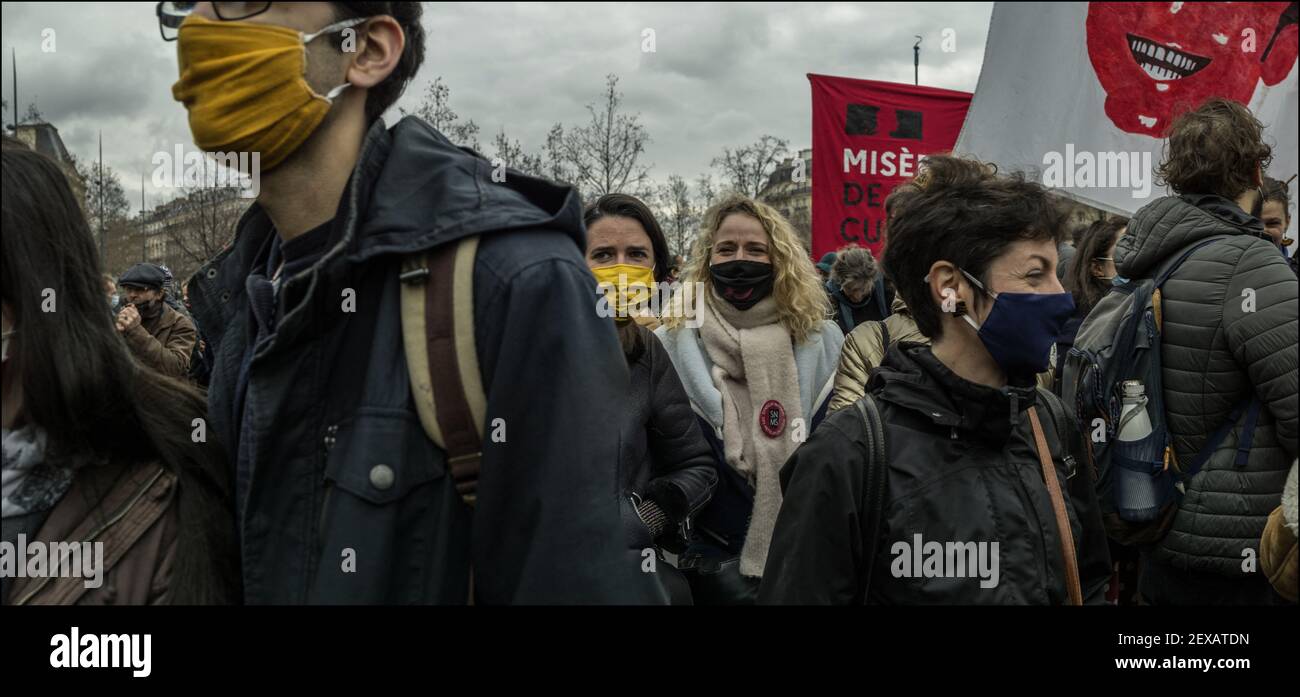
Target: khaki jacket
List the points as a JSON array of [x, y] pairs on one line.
[[864, 349]]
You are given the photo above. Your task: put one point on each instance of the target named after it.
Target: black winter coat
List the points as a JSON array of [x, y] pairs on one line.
[[665, 456], [962, 467]]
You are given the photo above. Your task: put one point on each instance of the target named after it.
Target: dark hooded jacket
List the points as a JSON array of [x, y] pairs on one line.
[[347, 499], [962, 468], [1229, 332]]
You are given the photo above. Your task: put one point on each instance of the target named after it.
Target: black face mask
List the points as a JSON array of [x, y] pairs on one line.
[[149, 308], [742, 283]]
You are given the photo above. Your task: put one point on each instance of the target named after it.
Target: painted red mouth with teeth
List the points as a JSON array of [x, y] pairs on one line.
[[1164, 62], [741, 295], [1157, 60]]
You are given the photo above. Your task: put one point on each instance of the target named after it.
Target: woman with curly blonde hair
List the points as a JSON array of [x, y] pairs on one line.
[[757, 356]]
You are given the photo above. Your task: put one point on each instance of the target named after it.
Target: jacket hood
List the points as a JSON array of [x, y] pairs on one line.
[[911, 377], [418, 190], [1171, 223], [413, 190], [898, 307]]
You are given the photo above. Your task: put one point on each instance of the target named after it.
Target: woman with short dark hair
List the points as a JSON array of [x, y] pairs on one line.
[[975, 461]]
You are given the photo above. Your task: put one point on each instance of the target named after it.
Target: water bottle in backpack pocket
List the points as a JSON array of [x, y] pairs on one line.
[[1142, 482]]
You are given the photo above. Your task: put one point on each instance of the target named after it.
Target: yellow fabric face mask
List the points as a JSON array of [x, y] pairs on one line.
[[626, 286], [245, 86]]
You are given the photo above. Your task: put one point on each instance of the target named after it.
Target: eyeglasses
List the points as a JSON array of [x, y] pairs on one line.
[[172, 14]]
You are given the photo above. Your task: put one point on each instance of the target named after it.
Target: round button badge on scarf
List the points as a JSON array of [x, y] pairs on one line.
[[771, 418]]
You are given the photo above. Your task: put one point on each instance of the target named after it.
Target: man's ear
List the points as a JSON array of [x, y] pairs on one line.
[[379, 45]]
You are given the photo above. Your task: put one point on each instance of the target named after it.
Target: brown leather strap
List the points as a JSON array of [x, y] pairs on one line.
[[1058, 507], [117, 532], [461, 435]]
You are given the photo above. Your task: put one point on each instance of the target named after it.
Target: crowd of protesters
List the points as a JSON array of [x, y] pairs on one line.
[[502, 415]]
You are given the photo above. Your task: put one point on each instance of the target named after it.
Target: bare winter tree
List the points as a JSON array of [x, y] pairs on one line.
[[603, 156], [112, 196], [705, 193], [435, 108], [200, 222], [746, 169], [513, 155], [679, 216]]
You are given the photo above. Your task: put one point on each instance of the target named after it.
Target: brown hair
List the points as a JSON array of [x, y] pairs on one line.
[[630, 334], [1275, 190], [1214, 149], [1093, 243]]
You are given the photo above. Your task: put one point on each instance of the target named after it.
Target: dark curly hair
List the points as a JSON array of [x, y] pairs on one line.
[[407, 14], [959, 210], [1214, 149]]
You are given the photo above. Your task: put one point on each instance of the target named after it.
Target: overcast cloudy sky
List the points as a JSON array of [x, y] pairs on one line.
[[722, 74]]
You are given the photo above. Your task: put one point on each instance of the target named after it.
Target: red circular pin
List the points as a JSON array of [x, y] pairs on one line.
[[771, 418]]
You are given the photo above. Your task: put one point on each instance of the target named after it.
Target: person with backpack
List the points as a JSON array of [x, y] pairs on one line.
[[1185, 375], [856, 289], [954, 480], [666, 473], [405, 350], [756, 354], [1088, 279]]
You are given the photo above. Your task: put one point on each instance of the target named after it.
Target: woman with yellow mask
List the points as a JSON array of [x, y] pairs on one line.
[[665, 469]]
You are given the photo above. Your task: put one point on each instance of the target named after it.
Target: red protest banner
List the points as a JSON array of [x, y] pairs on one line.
[[868, 137]]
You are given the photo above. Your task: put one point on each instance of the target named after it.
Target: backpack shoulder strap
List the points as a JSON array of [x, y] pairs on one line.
[[877, 471], [1170, 265], [437, 298], [1067, 429]]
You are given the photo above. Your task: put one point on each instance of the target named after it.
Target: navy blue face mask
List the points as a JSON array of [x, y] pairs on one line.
[[1022, 327]]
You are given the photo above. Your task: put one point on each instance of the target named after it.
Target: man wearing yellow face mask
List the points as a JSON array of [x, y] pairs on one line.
[[309, 390]]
